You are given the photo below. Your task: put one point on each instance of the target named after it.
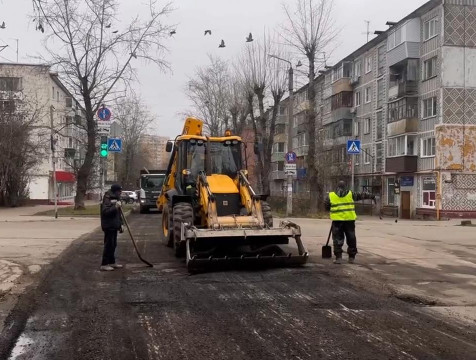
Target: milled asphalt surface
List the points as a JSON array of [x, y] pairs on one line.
[[78, 312]]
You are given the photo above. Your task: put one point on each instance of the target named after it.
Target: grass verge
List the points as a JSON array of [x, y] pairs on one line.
[[90, 210]]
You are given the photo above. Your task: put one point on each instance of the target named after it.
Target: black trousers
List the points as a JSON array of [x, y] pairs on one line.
[[344, 230], [110, 243]]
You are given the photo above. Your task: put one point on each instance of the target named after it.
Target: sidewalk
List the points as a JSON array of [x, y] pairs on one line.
[[30, 243]]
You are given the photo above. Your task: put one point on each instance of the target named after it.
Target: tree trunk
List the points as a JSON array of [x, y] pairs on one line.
[[313, 176], [85, 169]]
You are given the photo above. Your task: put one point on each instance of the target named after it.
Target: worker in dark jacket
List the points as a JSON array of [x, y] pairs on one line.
[[111, 223], [341, 206]]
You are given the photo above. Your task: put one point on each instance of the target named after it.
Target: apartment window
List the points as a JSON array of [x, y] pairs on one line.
[[430, 29], [428, 147], [367, 126], [402, 146], [358, 98], [70, 142], [53, 92], [358, 69], [366, 156], [10, 84], [282, 110], [7, 106], [391, 191], [406, 108], [428, 192], [379, 125], [280, 165], [368, 64], [356, 128], [368, 95], [279, 147], [429, 68], [395, 39], [429, 107], [279, 129], [342, 99]]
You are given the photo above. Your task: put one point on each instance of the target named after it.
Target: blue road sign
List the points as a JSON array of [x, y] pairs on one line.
[[353, 147], [104, 114], [114, 145], [291, 157]]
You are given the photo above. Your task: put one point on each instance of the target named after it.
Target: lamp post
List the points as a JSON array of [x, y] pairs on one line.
[[289, 205]]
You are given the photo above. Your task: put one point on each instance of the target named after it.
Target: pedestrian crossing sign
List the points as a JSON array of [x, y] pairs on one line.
[[353, 147], [114, 145]]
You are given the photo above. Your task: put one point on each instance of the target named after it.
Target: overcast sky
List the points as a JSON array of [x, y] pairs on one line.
[[230, 20]]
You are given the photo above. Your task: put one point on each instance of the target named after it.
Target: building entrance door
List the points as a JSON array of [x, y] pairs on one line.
[[405, 205]]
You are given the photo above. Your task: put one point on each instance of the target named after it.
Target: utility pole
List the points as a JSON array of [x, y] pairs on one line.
[[53, 157]]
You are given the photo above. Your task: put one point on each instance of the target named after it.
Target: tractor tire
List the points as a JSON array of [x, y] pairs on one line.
[[167, 226], [267, 214], [182, 213]]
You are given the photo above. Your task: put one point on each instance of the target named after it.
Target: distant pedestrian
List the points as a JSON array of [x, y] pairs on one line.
[[111, 223], [341, 206]]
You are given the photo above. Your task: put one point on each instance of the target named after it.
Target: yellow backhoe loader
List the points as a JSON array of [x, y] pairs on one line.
[[211, 214]]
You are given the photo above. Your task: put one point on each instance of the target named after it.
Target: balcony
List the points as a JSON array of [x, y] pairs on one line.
[[278, 175], [342, 85], [404, 51], [404, 42], [401, 89], [402, 164], [302, 106], [277, 156], [403, 126], [302, 151]]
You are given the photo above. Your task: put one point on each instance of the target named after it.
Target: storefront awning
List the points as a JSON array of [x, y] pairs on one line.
[[65, 176]]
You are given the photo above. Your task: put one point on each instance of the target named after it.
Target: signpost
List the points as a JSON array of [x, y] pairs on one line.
[[104, 114], [104, 129], [353, 148], [290, 170], [114, 145]]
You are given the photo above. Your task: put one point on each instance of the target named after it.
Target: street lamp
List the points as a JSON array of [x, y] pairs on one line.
[[289, 206], [53, 157]]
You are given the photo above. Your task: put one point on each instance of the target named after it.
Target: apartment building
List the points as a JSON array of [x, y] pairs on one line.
[[154, 147], [59, 115], [409, 95]]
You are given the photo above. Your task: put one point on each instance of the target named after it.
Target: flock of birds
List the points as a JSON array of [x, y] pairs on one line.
[[249, 38]]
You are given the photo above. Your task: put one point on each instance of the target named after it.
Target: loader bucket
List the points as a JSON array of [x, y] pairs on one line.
[[241, 248]]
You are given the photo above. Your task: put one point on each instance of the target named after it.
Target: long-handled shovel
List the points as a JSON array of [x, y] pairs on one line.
[[326, 249], [133, 240]]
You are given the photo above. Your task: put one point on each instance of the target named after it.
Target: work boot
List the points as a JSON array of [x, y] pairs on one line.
[[351, 259], [106, 268], [116, 266], [338, 260]]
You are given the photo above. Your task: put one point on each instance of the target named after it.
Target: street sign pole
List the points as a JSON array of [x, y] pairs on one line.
[[353, 172], [289, 205], [53, 159]]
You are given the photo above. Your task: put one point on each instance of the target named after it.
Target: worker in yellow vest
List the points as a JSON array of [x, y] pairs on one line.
[[341, 206]]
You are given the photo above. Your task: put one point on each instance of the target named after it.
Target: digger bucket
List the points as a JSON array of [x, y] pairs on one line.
[[238, 248]]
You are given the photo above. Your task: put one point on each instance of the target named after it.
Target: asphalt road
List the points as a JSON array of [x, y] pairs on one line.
[[78, 312]]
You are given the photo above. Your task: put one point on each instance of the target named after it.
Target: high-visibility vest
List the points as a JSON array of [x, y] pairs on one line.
[[342, 208]]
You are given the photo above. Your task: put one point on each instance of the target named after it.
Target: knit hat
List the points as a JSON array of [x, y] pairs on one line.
[[116, 188]]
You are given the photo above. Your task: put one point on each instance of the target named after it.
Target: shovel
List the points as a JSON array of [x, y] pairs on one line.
[[326, 249], [133, 240]]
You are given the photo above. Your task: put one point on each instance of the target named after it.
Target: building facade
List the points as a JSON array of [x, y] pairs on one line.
[[409, 96], [60, 119], [154, 147]]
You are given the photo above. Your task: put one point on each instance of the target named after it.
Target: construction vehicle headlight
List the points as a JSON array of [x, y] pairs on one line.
[[186, 172], [227, 143], [235, 142]]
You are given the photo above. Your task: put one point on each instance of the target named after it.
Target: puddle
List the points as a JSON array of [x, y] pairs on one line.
[[21, 347]]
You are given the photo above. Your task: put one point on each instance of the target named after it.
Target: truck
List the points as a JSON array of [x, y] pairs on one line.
[[211, 214], [151, 182]]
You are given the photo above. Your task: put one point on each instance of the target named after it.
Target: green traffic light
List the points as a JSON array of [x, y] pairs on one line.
[[103, 153]]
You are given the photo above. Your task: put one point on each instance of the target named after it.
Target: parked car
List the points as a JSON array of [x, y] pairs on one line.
[[129, 197]]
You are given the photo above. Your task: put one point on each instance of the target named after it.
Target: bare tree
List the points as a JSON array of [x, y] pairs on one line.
[[310, 30], [265, 81], [134, 118], [208, 90], [94, 56], [20, 151]]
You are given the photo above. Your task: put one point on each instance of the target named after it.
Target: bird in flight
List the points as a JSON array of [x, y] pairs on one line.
[[173, 32], [108, 26], [208, 32], [115, 31], [3, 25], [249, 38], [222, 44]]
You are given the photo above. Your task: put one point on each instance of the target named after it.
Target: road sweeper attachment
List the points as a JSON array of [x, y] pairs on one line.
[[212, 216]]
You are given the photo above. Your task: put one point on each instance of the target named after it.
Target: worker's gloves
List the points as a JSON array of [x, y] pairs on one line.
[[118, 204], [121, 230]]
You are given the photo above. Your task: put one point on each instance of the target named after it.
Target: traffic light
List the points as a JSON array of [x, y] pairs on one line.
[[103, 149]]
